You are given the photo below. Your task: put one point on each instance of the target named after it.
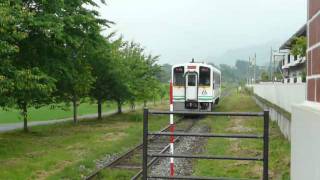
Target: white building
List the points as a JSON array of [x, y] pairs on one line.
[[293, 67]]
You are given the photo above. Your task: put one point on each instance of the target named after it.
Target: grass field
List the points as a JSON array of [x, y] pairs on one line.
[[49, 113], [68, 151], [279, 146]]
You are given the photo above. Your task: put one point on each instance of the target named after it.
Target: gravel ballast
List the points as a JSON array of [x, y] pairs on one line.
[[186, 145]]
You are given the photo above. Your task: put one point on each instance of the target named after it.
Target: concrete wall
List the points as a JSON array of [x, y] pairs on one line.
[[305, 142], [305, 125], [282, 95], [283, 123]]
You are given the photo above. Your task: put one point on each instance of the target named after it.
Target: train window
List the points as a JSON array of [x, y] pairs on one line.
[[191, 80], [178, 76], [217, 81], [204, 78]]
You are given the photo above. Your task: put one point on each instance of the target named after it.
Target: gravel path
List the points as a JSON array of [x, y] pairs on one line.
[[187, 145]]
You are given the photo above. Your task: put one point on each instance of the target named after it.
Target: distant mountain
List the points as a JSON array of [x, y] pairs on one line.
[[262, 51]]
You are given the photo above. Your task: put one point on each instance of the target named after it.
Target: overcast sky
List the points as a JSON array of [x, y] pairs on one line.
[[181, 29]]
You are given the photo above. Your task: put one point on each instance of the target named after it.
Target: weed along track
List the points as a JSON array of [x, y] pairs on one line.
[[131, 159]]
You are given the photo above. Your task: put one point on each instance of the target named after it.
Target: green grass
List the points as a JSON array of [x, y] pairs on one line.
[[279, 146], [68, 151], [49, 113]]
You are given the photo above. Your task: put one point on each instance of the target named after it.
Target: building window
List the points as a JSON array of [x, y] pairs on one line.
[[289, 58], [295, 57]]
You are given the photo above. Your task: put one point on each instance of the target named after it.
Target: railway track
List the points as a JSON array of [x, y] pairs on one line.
[[132, 158]]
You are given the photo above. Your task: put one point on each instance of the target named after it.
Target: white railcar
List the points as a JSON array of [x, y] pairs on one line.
[[196, 87]]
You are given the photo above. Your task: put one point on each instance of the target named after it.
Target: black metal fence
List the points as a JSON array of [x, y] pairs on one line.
[[264, 137]]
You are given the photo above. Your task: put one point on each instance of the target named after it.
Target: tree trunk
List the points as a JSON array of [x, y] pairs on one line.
[[75, 110], [99, 109], [25, 117], [119, 107], [133, 107], [144, 103]]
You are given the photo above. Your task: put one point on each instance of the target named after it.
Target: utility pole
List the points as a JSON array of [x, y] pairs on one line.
[[254, 68], [270, 65], [249, 69]]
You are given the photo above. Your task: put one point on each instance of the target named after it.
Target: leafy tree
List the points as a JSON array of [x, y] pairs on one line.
[[21, 87], [60, 35], [227, 73], [164, 75], [11, 15], [163, 91], [103, 66], [25, 88], [299, 47], [119, 87], [142, 69], [264, 76], [242, 67]]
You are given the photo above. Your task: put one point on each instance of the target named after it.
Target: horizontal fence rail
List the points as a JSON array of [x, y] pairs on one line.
[[238, 136], [209, 113], [196, 178], [186, 156], [264, 137]]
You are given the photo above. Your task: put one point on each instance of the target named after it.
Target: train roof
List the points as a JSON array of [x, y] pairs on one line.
[[198, 64]]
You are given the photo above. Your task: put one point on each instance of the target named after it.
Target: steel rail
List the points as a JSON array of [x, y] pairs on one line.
[[155, 159], [126, 154]]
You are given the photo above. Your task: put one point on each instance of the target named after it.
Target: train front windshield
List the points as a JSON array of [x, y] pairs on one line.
[[178, 76], [204, 78]]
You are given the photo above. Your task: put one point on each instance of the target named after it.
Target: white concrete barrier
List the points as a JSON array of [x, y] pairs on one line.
[[280, 94], [305, 143]]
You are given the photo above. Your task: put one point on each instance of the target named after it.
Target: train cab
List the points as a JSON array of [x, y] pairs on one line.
[[196, 87]]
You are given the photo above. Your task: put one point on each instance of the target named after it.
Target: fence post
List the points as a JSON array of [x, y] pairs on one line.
[[145, 144], [266, 145]]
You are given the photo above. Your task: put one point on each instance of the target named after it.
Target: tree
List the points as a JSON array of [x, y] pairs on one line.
[[163, 91], [264, 76], [119, 87], [20, 87], [241, 70], [12, 14], [228, 73], [299, 47], [143, 70], [25, 88], [100, 61], [164, 75], [60, 35]]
